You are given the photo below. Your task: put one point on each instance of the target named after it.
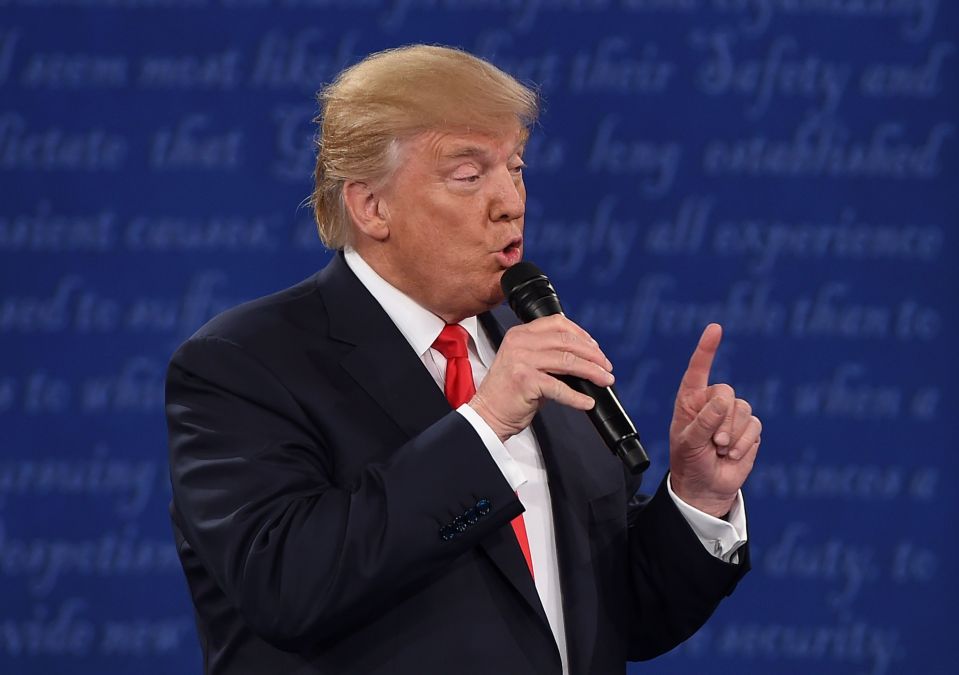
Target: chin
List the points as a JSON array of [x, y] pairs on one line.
[[496, 295]]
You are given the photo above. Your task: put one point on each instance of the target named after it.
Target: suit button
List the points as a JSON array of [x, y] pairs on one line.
[[447, 533], [459, 524], [484, 506], [471, 515]]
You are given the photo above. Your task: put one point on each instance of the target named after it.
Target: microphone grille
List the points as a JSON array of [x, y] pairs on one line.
[[519, 274]]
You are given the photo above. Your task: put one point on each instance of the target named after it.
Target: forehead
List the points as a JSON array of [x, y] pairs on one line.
[[441, 146]]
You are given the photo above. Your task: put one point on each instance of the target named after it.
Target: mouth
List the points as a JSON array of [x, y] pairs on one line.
[[510, 254]]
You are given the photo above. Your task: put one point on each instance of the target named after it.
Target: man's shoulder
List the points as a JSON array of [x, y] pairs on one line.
[[289, 322], [287, 333], [273, 314]]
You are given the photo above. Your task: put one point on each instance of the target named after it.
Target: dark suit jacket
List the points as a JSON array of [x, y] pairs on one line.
[[315, 465]]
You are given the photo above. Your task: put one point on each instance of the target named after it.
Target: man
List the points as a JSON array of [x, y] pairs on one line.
[[371, 475]]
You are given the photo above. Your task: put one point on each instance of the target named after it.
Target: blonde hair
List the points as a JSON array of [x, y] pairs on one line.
[[391, 96]]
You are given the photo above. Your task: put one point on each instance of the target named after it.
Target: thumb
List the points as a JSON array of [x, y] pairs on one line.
[[709, 419]]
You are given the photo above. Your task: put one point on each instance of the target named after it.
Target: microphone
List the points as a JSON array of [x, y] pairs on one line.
[[531, 296]]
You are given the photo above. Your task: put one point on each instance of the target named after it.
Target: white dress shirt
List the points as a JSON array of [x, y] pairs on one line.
[[520, 458]]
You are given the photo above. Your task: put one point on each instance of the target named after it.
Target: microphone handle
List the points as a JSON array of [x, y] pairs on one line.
[[612, 423], [536, 298]]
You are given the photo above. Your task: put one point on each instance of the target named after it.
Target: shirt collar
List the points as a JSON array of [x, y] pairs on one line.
[[418, 325]]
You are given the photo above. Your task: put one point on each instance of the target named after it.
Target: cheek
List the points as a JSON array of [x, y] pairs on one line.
[[466, 259]]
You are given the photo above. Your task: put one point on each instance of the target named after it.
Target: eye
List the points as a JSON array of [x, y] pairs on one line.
[[518, 169], [467, 172]]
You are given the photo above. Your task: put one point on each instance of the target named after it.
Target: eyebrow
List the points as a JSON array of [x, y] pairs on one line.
[[467, 151], [477, 151]]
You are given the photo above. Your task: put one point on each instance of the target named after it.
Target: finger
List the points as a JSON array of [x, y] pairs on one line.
[[556, 322], [741, 416], [748, 440], [701, 362], [584, 348], [705, 424], [559, 391], [563, 339], [724, 436], [560, 324], [557, 362]]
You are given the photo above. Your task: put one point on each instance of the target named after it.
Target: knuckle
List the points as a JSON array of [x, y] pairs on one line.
[[718, 406], [704, 422], [725, 390]]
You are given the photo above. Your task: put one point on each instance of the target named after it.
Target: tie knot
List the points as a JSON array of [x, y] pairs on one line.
[[451, 342]]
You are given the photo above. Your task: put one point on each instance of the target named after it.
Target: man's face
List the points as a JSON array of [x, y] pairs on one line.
[[455, 211]]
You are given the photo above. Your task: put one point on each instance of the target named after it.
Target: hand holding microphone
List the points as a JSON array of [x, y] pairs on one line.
[[550, 357]]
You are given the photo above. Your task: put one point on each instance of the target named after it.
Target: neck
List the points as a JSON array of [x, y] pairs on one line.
[[374, 256]]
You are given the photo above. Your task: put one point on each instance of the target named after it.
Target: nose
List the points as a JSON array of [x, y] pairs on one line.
[[508, 199]]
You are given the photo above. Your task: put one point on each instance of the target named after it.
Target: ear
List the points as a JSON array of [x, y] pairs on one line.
[[367, 210]]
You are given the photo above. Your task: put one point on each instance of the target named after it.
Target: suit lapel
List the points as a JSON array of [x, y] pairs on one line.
[[569, 481], [384, 365], [572, 483], [381, 362]]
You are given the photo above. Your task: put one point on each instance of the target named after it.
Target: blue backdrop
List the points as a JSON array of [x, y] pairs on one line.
[[786, 167]]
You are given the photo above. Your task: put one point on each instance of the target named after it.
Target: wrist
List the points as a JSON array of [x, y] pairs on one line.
[[709, 502], [492, 421], [717, 508]]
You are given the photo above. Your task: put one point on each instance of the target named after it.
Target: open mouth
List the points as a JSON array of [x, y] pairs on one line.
[[511, 253]]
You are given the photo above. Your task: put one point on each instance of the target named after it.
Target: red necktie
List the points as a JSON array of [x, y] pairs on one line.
[[459, 389]]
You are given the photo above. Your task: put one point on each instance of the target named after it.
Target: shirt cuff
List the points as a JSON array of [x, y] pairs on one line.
[[722, 538], [510, 468]]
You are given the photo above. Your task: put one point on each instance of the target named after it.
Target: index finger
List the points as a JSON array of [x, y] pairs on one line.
[[701, 362], [556, 321], [571, 331]]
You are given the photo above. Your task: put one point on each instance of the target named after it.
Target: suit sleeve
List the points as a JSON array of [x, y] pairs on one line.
[[676, 583], [301, 557]]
